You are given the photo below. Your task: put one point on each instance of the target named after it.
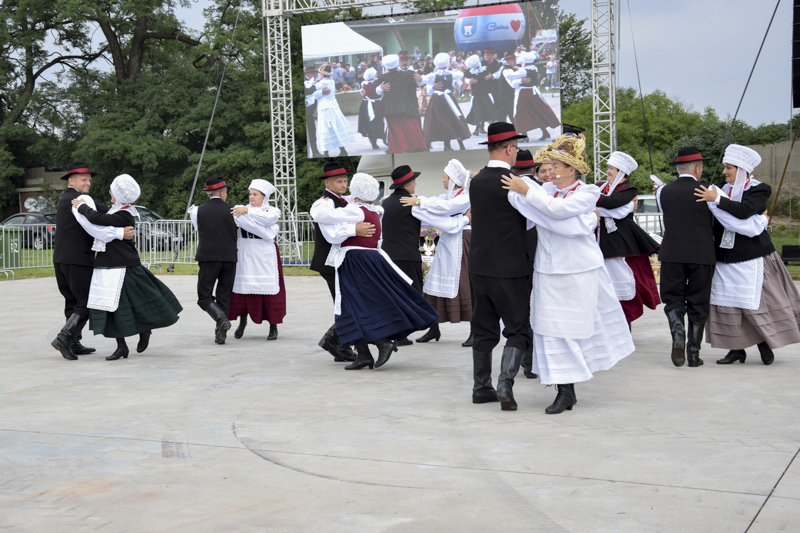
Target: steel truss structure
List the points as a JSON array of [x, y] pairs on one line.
[[277, 51]]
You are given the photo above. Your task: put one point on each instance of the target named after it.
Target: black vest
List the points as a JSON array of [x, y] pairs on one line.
[[629, 239], [73, 245], [400, 229], [216, 232], [401, 99], [446, 80], [754, 202], [118, 253], [533, 75], [688, 225], [322, 247], [499, 244]]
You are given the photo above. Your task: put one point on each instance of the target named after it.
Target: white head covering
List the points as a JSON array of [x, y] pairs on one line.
[[473, 61], [263, 186], [625, 164], [458, 176], [745, 160], [391, 61], [441, 60], [370, 74], [364, 187], [125, 189], [528, 58]]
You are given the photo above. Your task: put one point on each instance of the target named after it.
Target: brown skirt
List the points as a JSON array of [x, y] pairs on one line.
[[777, 319], [458, 309]]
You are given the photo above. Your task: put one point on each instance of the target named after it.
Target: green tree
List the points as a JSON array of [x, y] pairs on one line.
[[575, 57]]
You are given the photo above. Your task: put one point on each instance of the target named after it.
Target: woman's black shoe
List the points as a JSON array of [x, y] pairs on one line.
[[467, 343], [121, 351], [732, 357], [767, 357], [404, 342], [385, 349], [565, 399], [144, 341], [363, 358], [433, 334], [273, 332], [240, 330]]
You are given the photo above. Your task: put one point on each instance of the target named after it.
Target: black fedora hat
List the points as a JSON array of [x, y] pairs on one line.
[[402, 175], [78, 167], [688, 154], [524, 159], [214, 183], [333, 169], [502, 131]]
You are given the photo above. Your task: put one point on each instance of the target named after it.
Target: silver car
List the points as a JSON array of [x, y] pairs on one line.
[[647, 215]]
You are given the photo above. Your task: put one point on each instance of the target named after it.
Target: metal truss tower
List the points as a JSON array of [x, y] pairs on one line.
[[604, 85]]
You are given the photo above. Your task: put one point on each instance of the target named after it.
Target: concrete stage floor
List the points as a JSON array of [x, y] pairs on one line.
[[275, 436]]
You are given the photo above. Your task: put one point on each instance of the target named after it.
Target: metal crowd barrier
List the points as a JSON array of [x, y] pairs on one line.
[[650, 222]]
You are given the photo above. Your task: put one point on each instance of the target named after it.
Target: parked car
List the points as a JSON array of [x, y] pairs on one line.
[[39, 230], [647, 214], [162, 237]]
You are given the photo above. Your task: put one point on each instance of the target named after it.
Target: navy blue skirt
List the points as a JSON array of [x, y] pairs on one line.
[[376, 302]]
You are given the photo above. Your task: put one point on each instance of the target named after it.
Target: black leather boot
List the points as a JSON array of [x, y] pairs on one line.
[[733, 356], [527, 363], [565, 399], [482, 390], [468, 343], [433, 334], [345, 353], [404, 342], [144, 341], [767, 357], [121, 351], [63, 341], [385, 349], [447, 147], [330, 343], [223, 325], [363, 358], [693, 341], [675, 319], [461, 145], [509, 366], [273, 332], [77, 347], [240, 329]]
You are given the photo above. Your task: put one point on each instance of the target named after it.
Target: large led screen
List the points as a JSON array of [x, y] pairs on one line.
[[429, 82]]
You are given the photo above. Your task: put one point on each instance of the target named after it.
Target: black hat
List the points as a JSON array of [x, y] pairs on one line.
[[524, 159], [402, 175], [502, 131], [569, 128], [403, 53], [333, 169], [78, 167], [688, 154], [214, 183], [489, 49], [509, 55]]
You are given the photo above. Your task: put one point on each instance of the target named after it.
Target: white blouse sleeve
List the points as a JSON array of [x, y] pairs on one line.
[[193, 216], [440, 206], [618, 212], [582, 200], [575, 226], [103, 233], [749, 227], [447, 224]]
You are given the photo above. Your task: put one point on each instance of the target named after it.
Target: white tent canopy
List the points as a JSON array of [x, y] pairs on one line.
[[335, 39]]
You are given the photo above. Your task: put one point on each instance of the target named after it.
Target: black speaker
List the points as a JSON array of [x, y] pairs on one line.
[[796, 55]]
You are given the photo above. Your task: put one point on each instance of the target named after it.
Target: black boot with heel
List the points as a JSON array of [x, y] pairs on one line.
[[432, 334], [385, 349], [121, 351], [240, 329], [144, 341], [565, 399], [767, 357], [273, 332], [363, 358], [733, 356]]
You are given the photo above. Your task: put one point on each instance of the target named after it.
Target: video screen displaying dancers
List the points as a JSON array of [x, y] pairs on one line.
[[428, 82]]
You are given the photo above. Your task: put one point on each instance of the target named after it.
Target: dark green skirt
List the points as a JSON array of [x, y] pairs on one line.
[[144, 304]]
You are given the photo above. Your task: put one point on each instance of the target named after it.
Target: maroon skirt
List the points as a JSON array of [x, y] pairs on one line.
[[404, 134], [260, 307], [646, 288], [533, 113], [442, 124]]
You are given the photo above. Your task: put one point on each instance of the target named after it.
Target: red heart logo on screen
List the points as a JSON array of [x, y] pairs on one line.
[[515, 24]]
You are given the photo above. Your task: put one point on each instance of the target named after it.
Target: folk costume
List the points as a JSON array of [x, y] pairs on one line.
[[531, 112], [216, 256], [446, 286], [403, 131], [444, 120], [498, 272], [502, 90], [626, 247], [311, 110], [333, 131], [687, 258], [258, 288], [482, 108], [324, 236], [125, 298], [370, 114], [73, 262], [578, 324], [753, 298], [375, 302]]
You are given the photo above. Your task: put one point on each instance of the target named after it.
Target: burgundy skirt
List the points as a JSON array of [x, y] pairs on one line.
[[260, 307], [533, 113], [646, 288], [442, 124], [404, 134]]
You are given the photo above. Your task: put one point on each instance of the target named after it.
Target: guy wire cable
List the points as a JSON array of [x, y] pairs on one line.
[[719, 159], [641, 93]]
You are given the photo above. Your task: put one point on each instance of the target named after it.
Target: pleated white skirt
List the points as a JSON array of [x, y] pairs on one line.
[[333, 131]]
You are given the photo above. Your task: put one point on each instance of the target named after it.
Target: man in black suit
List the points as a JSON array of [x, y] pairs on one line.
[[335, 177], [401, 230], [73, 261], [498, 271], [311, 111], [216, 254], [687, 257]]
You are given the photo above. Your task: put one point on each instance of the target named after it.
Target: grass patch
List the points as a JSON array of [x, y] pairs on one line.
[[180, 270]]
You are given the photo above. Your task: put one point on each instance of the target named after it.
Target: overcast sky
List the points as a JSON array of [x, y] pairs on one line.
[[697, 51]]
